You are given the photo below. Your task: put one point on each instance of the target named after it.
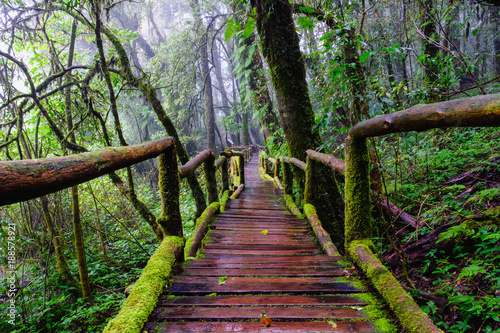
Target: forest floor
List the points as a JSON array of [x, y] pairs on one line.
[[453, 267]]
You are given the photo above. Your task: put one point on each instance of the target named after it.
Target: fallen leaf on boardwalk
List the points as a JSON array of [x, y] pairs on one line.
[[264, 232], [265, 320], [222, 280], [332, 323], [212, 294]]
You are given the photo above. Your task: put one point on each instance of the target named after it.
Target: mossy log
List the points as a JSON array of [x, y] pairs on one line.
[[322, 236], [412, 318], [237, 192], [292, 206], [194, 242], [145, 292], [190, 167], [28, 179], [479, 111]]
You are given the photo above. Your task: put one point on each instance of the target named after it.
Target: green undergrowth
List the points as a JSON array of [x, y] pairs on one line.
[[450, 179]]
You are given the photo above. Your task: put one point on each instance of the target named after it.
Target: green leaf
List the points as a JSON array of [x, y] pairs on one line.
[[249, 27], [232, 27], [365, 55], [222, 280]]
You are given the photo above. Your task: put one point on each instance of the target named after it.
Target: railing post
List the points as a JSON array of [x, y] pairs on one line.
[[287, 177], [170, 219], [358, 224], [277, 168], [242, 169], [225, 176], [210, 180]]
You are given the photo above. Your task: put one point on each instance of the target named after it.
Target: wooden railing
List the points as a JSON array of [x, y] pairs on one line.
[[482, 111], [29, 179]]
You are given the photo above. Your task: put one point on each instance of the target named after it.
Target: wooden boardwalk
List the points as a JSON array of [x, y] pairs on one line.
[[244, 272]]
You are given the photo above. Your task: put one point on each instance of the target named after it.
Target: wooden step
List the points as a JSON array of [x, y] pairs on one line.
[[276, 327], [241, 285], [266, 300]]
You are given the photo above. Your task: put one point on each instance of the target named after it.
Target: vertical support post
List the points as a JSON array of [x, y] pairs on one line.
[[358, 224], [277, 168], [287, 178], [225, 177], [241, 165], [170, 219], [210, 180]]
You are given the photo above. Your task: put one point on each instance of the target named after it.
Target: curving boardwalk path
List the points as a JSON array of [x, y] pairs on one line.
[[243, 273]]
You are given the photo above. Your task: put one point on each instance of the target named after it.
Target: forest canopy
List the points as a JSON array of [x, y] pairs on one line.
[[79, 76]]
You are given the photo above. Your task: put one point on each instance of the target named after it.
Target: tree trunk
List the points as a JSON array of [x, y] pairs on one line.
[[207, 80], [262, 99]]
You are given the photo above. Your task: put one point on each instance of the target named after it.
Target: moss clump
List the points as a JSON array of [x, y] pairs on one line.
[[412, 318], [145, 292], [292, 206]]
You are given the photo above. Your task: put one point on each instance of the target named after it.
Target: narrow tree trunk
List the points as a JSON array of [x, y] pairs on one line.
[[77, 223], [262, 99], [207, 80]]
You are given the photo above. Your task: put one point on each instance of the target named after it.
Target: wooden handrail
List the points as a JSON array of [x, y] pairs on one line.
[[193, 164], [29, 179], [333, 162], [479, 111], [296, 162]]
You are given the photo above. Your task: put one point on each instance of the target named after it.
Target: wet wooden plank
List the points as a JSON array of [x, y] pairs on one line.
[[265, 246], [265, 264], [266, 300], [234, 313], [276, 327], [284, 259], [233, 285], [264, 272], [259, 252]]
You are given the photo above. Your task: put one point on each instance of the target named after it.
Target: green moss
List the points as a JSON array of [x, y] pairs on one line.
[[412, 318], [374, 310], [292, 206], [201, 222], [145, 292], [223, 201], [358, 223]]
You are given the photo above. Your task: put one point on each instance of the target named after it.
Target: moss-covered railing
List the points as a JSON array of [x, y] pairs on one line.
[[29, 179], [481, 111]]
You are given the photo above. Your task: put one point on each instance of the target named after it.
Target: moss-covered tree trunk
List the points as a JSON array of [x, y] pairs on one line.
[[261, 97], [280, 47]]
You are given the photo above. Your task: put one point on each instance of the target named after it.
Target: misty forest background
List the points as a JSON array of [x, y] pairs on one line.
[[80, 75]]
